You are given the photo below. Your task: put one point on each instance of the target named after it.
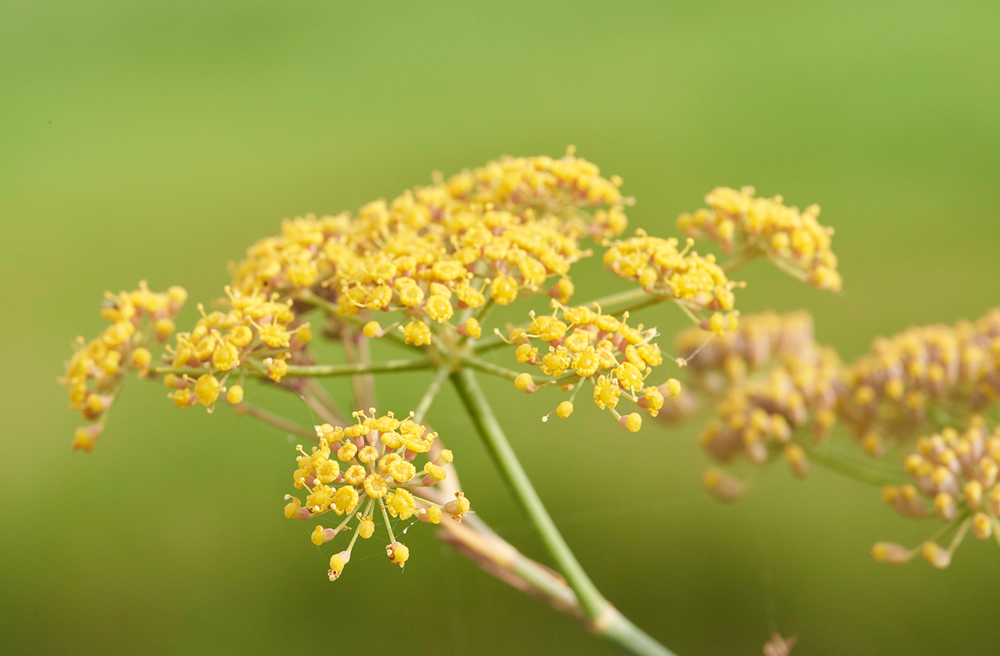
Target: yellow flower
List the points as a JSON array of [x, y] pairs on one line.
[[696, 282], [97, 370], [597, 348], [795, 240], [508, 226], [416, 333], [235, 394], [375, 485], [207, 389], [952, 470]]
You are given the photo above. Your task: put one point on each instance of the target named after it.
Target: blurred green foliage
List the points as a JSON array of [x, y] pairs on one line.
[[158, 139]]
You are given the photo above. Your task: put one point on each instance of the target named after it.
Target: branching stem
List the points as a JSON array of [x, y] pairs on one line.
[[603, 618]]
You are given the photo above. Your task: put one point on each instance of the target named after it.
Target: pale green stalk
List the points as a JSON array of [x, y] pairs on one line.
[[602, 618], [849, 469], [258, 370], [432, 391], [272, 419]]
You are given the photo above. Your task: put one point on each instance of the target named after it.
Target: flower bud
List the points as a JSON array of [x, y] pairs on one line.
[[982, 526], [797, 460], [525, 383], [890, 552], [632, 422], [988, 471], [321, 535], [470, 328], [85, 438], [458, 507], [723, 486], [294, 509], [366, 527], [873, 444], [909, 504], [671, 388], [431, 515], [935, 555], [944, 504], [141, 357], [398, 553], [973, 494], [235, 394], [337, 563]]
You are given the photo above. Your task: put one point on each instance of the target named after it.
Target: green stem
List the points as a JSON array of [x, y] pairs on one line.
[[604, 619], [509, 374], [324, 398], [274, 420], [362, 385], [960, 535], [738, 262], [388, 526], [432, 391], [849, 469], [258, 370]]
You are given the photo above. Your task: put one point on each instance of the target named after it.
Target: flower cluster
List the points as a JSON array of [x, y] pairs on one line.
[[366, 465], [94, 375], [760, 418], [694, 282], [758, 339], [957, 473], [614, 356], [920, 372], [924, 376], [258, 334], [491, 234], [548, 186], [793, 240]]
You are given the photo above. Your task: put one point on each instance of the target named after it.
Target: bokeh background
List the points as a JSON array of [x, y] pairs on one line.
[[157, 140]]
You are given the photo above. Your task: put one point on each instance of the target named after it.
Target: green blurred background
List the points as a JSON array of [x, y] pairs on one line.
[[157, 140]]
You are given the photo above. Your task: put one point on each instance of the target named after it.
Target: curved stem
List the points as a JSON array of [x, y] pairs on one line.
[[603, 618]]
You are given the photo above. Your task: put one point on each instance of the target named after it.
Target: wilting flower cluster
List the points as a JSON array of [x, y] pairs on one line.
[[761, 417], [923, 374], [794, 240], [955, 477], [694, 282], [138, 321], [917, 378], [717, 361], [365, 465], [257, 334], [614, 357], [487, 235]]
